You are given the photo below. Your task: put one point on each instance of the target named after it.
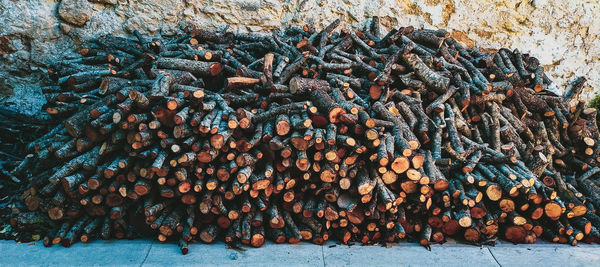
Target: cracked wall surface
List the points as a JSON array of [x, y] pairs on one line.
[[563, 34]]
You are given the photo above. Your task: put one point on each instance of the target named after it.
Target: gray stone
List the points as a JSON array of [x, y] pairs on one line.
[[97, 253], [546, 254], [217, 254], [76, 12], [563, 34], [408, 254], [146, 252], [27, 97]]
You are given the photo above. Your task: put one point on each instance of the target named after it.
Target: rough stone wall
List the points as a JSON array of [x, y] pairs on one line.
[[563, 34]]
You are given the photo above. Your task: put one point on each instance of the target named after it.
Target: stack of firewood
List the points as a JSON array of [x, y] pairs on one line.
[[312, 135]]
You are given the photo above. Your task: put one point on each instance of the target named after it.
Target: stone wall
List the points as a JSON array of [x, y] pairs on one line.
[[561, 33]]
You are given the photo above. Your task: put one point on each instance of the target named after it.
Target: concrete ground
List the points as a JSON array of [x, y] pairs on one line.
[[151, 253]]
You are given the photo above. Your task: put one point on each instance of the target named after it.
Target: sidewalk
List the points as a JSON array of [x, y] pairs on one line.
[[151, 253]]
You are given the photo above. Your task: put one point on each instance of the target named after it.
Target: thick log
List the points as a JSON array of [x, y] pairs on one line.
[[199, 68]]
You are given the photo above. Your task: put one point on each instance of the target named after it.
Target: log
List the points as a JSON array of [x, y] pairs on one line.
[[199, 68], [304, 136]]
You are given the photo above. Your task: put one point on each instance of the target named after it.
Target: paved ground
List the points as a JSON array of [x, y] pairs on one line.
[[151, 253]]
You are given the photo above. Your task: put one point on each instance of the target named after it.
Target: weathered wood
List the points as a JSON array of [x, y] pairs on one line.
[[200, 68], [304, 135]]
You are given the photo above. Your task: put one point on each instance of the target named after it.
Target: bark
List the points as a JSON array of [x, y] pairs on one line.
[[200, 68]]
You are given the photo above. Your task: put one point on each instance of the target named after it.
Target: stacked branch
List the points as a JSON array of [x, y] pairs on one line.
[[313, 135]]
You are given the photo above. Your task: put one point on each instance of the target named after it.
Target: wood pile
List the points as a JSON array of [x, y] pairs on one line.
[[304, 135], [16, 131]]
